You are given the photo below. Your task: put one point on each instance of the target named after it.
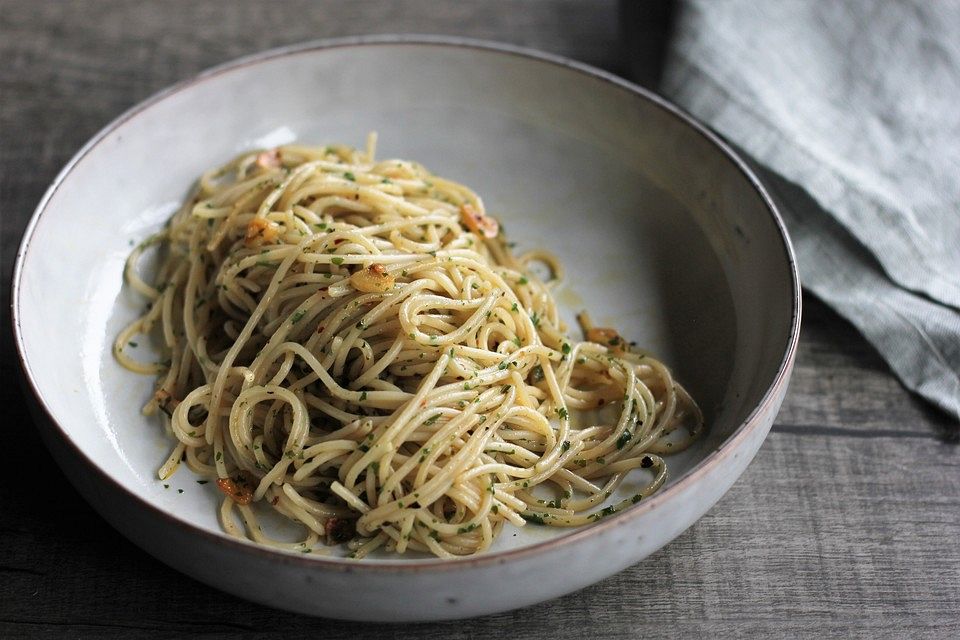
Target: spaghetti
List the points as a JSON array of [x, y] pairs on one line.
[[351, 343]]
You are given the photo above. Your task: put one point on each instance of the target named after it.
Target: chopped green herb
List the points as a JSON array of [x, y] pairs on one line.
[[565, 446], [562, 412], [363, 396], [514, 307], [523, 280], [623, 439], [537, 374], [337, 261], [298, 316], [533, 518], [565, 348], [349, 176]]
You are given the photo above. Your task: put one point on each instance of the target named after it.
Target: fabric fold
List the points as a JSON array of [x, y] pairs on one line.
[[850, 110]]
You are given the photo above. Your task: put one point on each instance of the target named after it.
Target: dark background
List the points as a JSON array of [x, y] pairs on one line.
[[846, 524]]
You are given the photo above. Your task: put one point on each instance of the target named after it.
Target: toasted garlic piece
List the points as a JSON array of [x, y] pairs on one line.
[[260, 231], [485, 225], [607, 337], [268, 159], [373, 279]]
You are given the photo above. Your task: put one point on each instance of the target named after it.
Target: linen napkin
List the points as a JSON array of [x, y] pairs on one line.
[[852, 111]]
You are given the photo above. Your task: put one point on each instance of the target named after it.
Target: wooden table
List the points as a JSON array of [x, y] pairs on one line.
[[847, 523]]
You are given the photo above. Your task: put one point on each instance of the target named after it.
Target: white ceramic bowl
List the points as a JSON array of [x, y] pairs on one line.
[[666, 235]]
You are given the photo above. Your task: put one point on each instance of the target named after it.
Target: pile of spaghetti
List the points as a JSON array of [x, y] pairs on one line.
[[351, 343]]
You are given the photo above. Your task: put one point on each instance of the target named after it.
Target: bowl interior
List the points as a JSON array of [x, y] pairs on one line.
[[661, 234]]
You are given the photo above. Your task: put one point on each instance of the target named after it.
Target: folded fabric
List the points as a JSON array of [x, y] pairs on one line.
[[850, 108]]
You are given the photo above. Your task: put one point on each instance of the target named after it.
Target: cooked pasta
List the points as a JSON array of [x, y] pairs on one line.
[[352, 344]]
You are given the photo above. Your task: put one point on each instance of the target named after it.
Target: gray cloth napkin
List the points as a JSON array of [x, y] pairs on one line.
[[852, 111]]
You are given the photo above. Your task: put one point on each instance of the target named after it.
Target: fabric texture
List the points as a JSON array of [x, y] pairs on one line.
[[850, 110]]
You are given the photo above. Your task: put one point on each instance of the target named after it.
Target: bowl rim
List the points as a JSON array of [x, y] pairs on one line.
[[317, 562]]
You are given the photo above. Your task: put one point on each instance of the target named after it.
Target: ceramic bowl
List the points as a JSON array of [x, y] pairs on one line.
[[665, 233]]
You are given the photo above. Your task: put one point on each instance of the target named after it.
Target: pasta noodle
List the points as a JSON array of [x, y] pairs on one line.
[[352, 343]]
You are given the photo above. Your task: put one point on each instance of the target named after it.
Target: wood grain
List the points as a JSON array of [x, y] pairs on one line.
[[846, 524]]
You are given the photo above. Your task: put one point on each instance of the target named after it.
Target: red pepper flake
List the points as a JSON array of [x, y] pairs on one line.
[[239, 492]]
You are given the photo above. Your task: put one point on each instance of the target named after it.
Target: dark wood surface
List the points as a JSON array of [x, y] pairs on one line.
[[847, 524]]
